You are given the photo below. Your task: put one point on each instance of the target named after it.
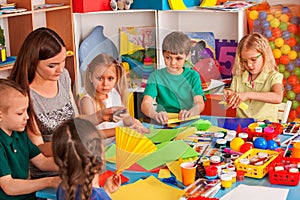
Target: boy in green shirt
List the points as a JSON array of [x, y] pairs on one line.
[[177, 89], [16, 149]]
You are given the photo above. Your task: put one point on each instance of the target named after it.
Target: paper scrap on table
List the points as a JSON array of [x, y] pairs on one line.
[[164, 173], [148, 189], [247, 192], [242, 105], [214, 84]]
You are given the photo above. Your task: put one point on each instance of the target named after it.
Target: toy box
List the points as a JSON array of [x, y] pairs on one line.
[[160, 4], [82, 6]]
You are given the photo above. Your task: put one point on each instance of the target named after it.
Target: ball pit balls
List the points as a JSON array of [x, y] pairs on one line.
[[274, 23], [276, 32], [272, 145], [272, 45], [291, 95], [298, 97], [279, 42], [292, 55], [286, 74], [296, 89], [260, 143], [236, 143], [268, 33], [286, 10], [265, 25], [288, 87], [295, 104], [290, 67], [284, 18], [293, 80], [246, 146], [269, 17], [286, 35], [292, 28], [262, 15], [283, 26], [296, 71], [276, 53], [253, 14], [277, 13], [292, 115], [284, 59], [291, 41], [285, 49], [281, 68]]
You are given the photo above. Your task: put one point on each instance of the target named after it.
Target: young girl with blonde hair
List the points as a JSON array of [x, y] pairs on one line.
[[256, 80], [106, 86]]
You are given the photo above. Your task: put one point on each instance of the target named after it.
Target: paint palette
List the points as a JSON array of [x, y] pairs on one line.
[[292, 128]]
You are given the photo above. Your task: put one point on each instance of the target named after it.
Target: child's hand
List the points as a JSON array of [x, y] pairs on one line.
[[121, 115], [161, 117], [227, 93], [112, 183], [184, 114], [138, 126], [236, 99], [55, 181]]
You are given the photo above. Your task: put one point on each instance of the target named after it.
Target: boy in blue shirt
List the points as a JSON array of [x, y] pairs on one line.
[[177, 89], [16, 149]]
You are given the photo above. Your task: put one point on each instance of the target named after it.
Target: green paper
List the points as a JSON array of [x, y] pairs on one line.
[[167, 152], [163, 135]]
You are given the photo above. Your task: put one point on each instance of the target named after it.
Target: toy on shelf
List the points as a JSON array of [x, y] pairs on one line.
[[120, 4]]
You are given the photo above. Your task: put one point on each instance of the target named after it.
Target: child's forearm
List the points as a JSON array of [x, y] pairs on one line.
[[19, 186], [268, 97]]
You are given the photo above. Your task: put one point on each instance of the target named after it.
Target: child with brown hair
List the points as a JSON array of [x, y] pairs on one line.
[[79, 154]]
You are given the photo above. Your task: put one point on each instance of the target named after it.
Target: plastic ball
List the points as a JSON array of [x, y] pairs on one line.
[[298, 97], [293, 80], [297, 62], [262, 15], [291, 95], [293, 115], [296, 89], [267, 33], [292, 55], [276, 32], [281, 68], [274, 23], [265, 24], [260, 143], [295, 104], [272, 45], [288, 87], [272, 145], [279, 42], [286, 74], [289, 67], [270, 17], [284, 18], [295, 20], [296, 71], [277, 13], [292, 28], [236, 143], [285, 49], [286, 35], [256, 23], [285, 10], [253, 14], [298, 110], [284, 59], [276, 53], [283, 26], [291, 41], [246, 146]]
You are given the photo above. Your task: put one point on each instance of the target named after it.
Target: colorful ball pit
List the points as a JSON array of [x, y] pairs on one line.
[[281, 25]]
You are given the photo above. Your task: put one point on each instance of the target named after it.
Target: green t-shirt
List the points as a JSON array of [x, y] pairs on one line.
[[174, 92], [15, 154]]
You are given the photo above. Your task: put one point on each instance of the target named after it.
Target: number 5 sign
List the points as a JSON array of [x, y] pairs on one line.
[[225, 54]]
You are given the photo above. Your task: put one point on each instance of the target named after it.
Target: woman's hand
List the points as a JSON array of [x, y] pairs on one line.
[[112, 183]]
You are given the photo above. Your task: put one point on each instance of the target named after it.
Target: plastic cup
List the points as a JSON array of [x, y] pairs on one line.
[[188, 171], [296, 150]]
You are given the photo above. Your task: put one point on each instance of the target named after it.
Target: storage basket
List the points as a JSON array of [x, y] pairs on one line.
[[278, 129], [283, 177], [252, 170]]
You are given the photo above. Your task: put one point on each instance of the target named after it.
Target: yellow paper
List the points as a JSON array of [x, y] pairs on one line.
[[242, 105], [148, 189], [173, 118], [164, 173], [177, 5]]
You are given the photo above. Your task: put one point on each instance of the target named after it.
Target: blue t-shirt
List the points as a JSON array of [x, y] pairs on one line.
[[174, 92], [97, 194]]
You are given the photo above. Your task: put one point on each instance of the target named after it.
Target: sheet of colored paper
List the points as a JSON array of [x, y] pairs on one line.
[[148, 189], [166, 152], [164, 173]]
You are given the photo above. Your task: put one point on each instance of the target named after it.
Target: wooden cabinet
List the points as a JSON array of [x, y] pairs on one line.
[[18, 25]]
